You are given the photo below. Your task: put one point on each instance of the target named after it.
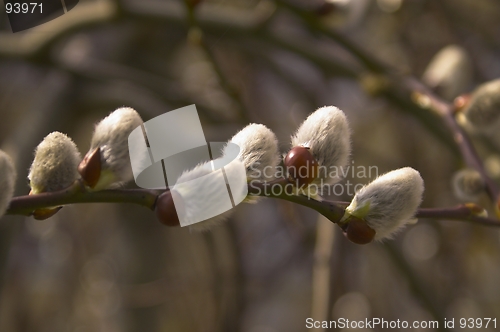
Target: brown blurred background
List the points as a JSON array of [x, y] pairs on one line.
[[98, 267]]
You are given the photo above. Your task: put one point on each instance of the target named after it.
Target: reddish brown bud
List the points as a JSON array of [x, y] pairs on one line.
[[358, 231], [301, 166], [165, 208], [90, 167], [45, 213]]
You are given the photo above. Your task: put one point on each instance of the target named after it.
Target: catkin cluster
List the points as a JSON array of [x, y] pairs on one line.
[[322, 143], [58, 164], [319, 149]]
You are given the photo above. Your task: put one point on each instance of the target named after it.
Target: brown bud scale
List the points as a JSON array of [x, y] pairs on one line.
[[90, 167], [45, 213], [357, 231]]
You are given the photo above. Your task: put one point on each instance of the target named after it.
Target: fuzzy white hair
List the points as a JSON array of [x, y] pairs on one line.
[[389, 202], [111, 136], [55, 164], [258, 151], [7, 181], [203, 197], [327, 134]]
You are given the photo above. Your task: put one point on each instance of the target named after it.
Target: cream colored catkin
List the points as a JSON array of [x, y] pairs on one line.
[[389, 202], [111, 136], [327, 134], [55, 164], [258, 151]]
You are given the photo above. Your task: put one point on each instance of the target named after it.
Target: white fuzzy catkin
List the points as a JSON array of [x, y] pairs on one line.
[[483, 110], [468, 185], [111, 135], [55, 164], [197, 200], [449, 71], [7, 181], [327, 134], [389, 202], [258, 151]]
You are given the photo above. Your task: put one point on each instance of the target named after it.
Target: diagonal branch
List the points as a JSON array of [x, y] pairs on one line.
[[427, 99], [414, 92]]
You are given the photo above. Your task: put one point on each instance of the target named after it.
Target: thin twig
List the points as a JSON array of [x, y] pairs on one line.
[[427, 99], [281, 188], [460, 213], [77, 193]]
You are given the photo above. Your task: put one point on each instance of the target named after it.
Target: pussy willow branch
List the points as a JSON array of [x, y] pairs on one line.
[[411, 89], [333, 211], [399, 90]]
